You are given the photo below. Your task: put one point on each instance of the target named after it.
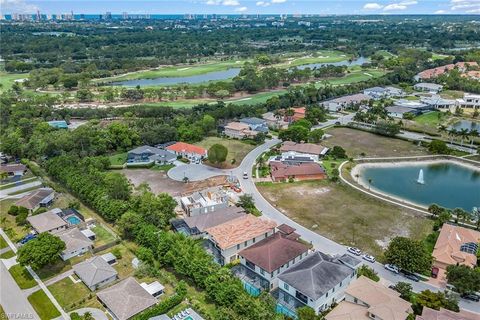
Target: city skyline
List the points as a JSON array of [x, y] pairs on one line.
[[360, 7]]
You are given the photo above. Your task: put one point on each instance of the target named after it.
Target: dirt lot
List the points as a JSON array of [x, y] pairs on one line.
[[356, 141], [237, 150], [159, 182], [345, 215]]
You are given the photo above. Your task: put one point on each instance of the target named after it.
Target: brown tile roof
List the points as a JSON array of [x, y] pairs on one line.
[[447, 247], [285, 228], [384, 303], [126, 298], [444, 314], [237, 126], [435, 72], [309, 148], [239, 230], [282, 171], [33, 199], [273, 252]]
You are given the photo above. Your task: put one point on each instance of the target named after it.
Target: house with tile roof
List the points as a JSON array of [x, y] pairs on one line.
[[186, 150], [126, 299], [444, 314], [227, 239], [317, 281], [281, 172], [270, 257], [456, 245], [275, 122], [95, 272], [76, 243], [33, 201], [366, 299], [49, 221], [304, 148], [255, 124], [238, 130]]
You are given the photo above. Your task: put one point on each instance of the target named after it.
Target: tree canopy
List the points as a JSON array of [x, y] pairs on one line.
[[41, 251]]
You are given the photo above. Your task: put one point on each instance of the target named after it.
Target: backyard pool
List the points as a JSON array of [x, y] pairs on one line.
[[73, 220]]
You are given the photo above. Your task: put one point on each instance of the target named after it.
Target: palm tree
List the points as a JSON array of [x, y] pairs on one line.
[[452, 133], [464, 134], [473, 134], [370, 180], [442, 128]]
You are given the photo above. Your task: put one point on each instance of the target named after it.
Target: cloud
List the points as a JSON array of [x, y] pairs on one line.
[[440, 11], [473, 11], [279, 1], [241, 9], [395, 6], [372, 6], [223, 2], [470, 6], [262, 4], [408, 3], [17, 6]]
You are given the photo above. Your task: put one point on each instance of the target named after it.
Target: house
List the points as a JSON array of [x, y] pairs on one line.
[[444, 314], [95, 272], [298, 114], [48, 221], [14, 169], [377, 93], [76, 243], [280, 171], [366, 299], [155, 288], [33, 201], [224, 241], [456, 245], [89, 234], [239, 130], [469, 101], [205, 201], [58, 124], [317, 281], [126, 299], [338, 104], [438, 103], [147, 155], [419, 106], [435, 72], [196, 225], [304, 148], [189, 151], [273, 122], [400, 112], [269, 257], [255, 124], [428, 87], [293, 157]]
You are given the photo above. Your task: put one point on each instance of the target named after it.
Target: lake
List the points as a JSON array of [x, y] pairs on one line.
[[466, 124], [447, 183], [209, 76], [355, 62]]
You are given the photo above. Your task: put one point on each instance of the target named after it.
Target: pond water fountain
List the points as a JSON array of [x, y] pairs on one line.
[[420, 179]]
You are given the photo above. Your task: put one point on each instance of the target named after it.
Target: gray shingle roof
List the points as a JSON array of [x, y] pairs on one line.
[[316, 274], [94, 270], [74, 240], [126, 298], [253, 120], [47, 221]]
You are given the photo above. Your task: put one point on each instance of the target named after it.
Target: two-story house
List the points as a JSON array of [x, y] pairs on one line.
[[270, 257], [204, 202], [224, 241], [317, 281]]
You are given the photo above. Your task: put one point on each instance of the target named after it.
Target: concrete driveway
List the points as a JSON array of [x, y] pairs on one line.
[[195, 172]]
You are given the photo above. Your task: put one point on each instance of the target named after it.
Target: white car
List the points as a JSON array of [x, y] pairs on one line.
[[354, 251], [392, 267], [245, 175], [368, 258]]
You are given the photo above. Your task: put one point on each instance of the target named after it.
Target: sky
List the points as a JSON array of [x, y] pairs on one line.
[[243, 6]]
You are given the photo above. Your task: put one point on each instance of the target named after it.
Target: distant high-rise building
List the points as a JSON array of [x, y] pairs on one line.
[[38, 16], [108, 15], [125, 15]]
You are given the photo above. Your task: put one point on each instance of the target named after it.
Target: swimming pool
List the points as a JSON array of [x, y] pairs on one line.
[[73, 220]]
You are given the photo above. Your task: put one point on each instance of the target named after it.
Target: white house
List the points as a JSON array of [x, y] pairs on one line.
[[76, 243], [317, 281], [204, 202], [428, 87], [469, 101], [95, 272]]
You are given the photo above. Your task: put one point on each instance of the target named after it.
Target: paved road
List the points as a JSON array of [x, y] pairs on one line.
[[5, 192]]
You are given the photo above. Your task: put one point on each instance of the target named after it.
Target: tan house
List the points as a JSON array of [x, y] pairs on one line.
[[456, 245], [444, 314], [367, 299], [239, 130], [274, 122]]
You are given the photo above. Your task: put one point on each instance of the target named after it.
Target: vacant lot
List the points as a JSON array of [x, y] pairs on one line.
[[345, 215], [70, 295], [159, 182], [237, 150], [356, 142], [8, 224]]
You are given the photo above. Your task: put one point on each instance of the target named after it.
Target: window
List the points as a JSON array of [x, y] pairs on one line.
[[253, 240], [326, 295], [266, 234], [250, 265], [262, 272], [286, 286], [341, 283], [300, 296], [355, 300], [245, 243], [238, 247]]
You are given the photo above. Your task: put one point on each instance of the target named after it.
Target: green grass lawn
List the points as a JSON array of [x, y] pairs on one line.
[[102, 235], [345, 215], [7, 255], [323, 56], [22, 277], [70, 295], [118, 159], [43, 306], [3, 315], [236, 149], [7, 79], [353, 77], [179, 71], [261, 97], [181, 103], [431, 118], [8, 223], [3, 242]]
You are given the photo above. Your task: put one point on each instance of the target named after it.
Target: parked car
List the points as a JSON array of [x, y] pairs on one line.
[[368, 258], [354, 251], [435, 272], [410, 276], [27, 238], [245, 175], [393, 287], [471, 297], [391, 267]]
